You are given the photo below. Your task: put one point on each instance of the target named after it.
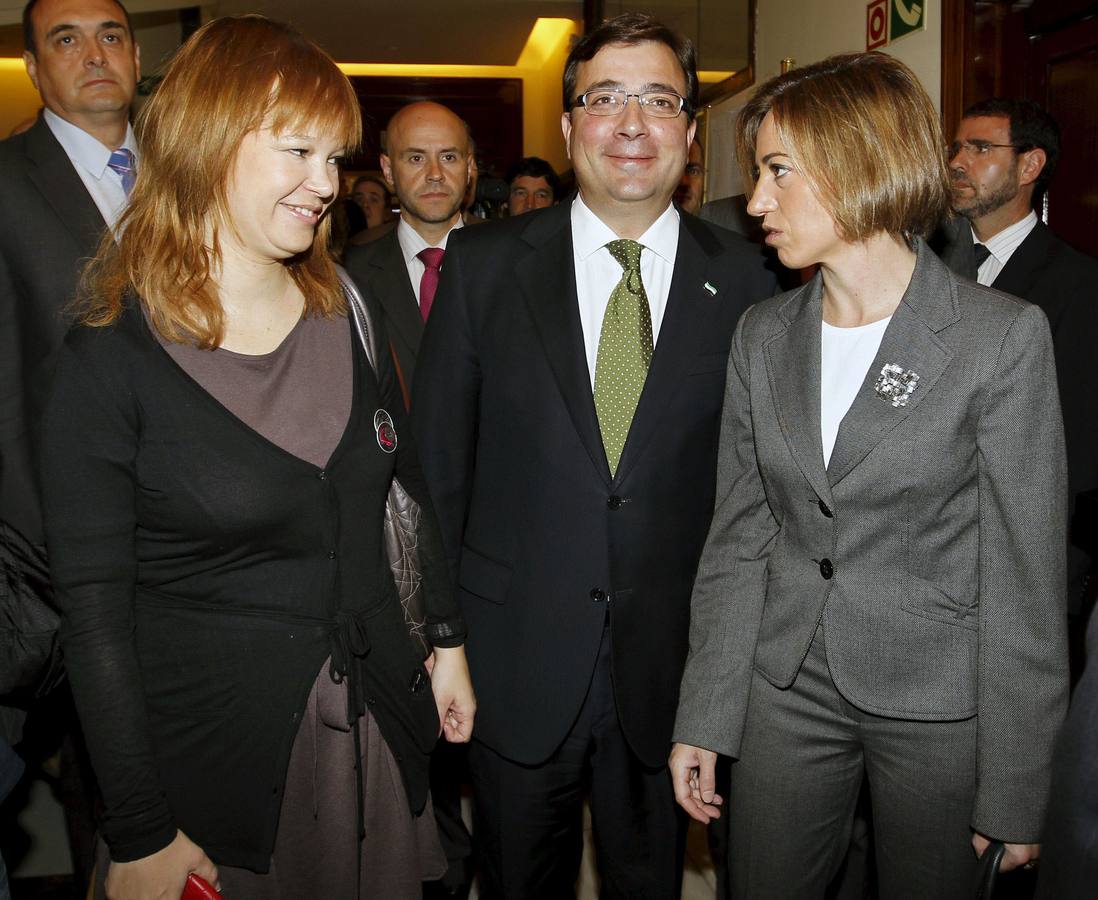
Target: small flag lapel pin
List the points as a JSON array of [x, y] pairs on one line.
[[709, 287]]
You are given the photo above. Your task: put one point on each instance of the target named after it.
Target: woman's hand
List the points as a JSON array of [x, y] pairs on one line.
[[694, 778], [1024, 855], [162, 875], [453, 690]]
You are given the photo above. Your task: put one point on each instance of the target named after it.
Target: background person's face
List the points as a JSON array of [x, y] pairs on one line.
[[428, 164], [529, 193], [984, 182], [373, 201], [85, 63], [689, 192]]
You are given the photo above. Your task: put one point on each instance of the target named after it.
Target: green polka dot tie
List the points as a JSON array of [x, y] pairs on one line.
[[625, 350]]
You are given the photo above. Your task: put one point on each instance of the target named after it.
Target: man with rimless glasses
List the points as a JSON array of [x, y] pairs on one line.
[[567, 397], [1002, 163]]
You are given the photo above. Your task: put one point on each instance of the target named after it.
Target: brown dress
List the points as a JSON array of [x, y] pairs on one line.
[[299, 397]]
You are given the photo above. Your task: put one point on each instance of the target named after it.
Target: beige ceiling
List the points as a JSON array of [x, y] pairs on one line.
[[456, 32], [469, 32]]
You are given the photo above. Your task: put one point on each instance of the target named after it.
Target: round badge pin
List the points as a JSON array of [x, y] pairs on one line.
[[386, 433]]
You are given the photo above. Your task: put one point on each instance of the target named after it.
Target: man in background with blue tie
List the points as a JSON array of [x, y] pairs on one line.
[[566, 406], [61, 183]]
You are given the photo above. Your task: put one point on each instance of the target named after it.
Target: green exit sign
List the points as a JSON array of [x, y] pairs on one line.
[[906, 16]]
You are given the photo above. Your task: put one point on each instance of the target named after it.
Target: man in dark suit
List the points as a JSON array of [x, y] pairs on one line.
[[59, 186], [567, 402], [1002, 161], [429, 162]]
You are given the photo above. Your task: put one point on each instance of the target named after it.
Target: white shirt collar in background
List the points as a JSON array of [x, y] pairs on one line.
[[90, 157], [1002, 247]]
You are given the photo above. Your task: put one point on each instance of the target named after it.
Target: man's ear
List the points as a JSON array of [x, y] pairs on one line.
[[387, 171], [566, 129], [137, 61], [31, 65], [1032, 164]]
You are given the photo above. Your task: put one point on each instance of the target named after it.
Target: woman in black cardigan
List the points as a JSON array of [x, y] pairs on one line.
[[218, 456]]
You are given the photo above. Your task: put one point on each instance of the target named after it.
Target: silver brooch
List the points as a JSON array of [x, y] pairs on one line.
[[896, 384]]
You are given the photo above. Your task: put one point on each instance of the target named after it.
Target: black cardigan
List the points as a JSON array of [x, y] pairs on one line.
[[204, 575]]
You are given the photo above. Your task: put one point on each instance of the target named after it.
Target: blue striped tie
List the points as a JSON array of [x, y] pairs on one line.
[[122, 162]]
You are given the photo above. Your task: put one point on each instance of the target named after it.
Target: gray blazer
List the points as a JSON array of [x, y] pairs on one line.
[[931, 549]]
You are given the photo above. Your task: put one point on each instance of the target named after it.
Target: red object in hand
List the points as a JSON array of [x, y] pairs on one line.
[[199, 889]]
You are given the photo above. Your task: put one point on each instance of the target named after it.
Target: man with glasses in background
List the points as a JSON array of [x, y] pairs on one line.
[[1002, 161], [566, 404]]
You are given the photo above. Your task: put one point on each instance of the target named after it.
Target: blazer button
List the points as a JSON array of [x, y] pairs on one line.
[[322, 475], [826, 510], [598, 595], [826, 569], [613, 501]]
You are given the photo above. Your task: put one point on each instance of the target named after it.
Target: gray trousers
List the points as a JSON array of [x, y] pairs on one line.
[[795, 787]]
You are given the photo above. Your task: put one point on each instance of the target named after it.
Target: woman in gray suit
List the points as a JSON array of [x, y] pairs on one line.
[[881, 591]]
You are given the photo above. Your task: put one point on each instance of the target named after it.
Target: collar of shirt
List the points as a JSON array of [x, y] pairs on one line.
[[1002, 247], [412, 242], [83, 149], [597, 272], [590, 234]]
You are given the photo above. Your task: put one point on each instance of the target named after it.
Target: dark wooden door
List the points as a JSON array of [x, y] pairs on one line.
[[1063, 76]]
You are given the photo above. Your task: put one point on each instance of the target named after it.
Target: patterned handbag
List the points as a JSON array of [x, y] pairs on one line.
[[402, 513]]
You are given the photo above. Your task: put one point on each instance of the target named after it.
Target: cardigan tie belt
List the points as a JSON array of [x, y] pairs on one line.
[[350, 647]]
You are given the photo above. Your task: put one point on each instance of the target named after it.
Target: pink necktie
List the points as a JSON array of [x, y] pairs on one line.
[[428, 284]]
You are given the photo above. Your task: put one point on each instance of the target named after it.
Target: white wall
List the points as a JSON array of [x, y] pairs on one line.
[[808, 32]]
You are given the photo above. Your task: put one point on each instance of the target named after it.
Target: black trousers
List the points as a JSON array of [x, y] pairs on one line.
[[529, 819]]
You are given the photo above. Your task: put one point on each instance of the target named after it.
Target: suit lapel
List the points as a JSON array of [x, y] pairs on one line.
[[547, 278], [911, 342], [53, 174], [394, 291], [793, 369], [1021, 270], [687, 302], [958, 253]]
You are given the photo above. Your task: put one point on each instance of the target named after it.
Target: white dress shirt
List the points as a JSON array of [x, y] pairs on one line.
[[89, 157], [597, 272], [1002, 246], [411, 243]]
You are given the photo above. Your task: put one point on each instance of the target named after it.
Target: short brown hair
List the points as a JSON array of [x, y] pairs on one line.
[[233, 76], [629, 29], [861, 128]]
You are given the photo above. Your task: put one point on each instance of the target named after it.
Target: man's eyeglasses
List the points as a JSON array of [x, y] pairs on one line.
[[660, 104], [978, 148]]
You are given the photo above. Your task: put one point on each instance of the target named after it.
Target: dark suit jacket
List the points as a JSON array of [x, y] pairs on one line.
[[545, 542], [50, 225], [1064, 283], [379, 271]]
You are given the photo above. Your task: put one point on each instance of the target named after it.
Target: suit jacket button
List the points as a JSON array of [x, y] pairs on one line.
[[613, 501], [826, 510], [826, 569], [598, 595]]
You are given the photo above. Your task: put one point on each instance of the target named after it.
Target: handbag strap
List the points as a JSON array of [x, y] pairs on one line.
[[989, 869], [360, 315]]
